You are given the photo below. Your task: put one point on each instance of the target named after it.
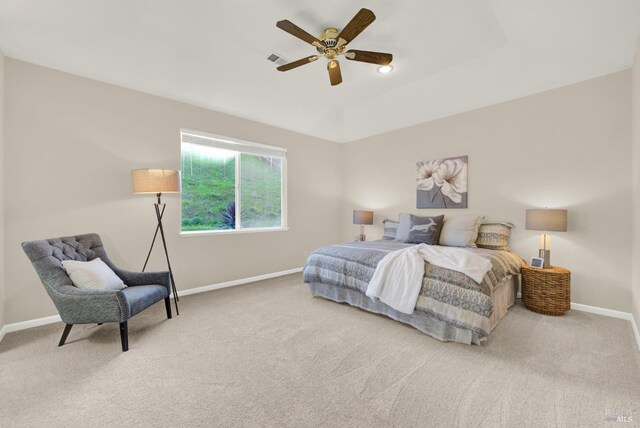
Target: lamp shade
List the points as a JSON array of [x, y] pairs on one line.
[[362, 217], [156, 181], [546, 220]]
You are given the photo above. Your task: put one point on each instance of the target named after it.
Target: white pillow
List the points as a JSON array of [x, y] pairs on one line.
[[93, 275], [404, 225], [460, 231]]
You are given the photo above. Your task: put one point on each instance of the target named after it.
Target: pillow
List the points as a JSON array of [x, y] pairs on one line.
[[404, 224], [494, 236], [425, 230], [93, 275], [460, 231], [390, 230]]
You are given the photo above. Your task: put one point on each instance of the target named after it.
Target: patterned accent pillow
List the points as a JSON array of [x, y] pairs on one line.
[[425, 230], [494, 236], [390, 230]]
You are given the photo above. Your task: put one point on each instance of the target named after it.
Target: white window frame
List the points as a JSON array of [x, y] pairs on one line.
[[240, 146]]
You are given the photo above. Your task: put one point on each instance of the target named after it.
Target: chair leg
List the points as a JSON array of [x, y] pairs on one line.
[[65, 334], [124, 336], [167, 304]]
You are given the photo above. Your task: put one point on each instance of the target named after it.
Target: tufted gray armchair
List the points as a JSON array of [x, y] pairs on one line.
[[83, 306]]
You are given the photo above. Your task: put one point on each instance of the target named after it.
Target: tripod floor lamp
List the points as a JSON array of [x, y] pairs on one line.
[[158, 181]]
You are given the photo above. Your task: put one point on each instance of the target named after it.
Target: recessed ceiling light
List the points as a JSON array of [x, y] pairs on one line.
[[385, 69]]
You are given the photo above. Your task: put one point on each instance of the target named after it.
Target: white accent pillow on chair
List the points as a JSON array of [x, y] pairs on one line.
[[93, 275]]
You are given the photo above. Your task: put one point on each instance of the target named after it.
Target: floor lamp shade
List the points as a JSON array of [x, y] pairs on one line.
[[156, 181]]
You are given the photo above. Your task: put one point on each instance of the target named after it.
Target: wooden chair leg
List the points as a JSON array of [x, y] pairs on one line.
[[65, 334], [167, 305], [124, 336]]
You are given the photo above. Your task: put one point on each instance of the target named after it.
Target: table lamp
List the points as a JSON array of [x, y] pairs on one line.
[[546, 220], [158, 181], [362, 218]]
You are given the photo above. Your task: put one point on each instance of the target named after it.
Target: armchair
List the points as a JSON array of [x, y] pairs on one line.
[[84, 306]]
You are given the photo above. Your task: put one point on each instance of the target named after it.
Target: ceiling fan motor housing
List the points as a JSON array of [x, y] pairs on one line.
[[328, 37]]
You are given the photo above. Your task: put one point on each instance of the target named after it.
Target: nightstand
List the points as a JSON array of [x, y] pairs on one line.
[[546, 291]]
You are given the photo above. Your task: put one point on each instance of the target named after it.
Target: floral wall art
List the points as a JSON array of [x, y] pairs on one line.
[[442, 183]]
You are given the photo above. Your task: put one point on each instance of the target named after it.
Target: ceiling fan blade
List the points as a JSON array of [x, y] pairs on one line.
[[298, 63], [358, 23], [379, 58], [298, 32], [335, 76]]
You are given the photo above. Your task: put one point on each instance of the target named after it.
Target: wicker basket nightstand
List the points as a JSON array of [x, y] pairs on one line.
[[546, 291]]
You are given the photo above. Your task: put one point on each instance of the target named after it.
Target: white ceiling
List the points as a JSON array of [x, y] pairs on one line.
[[449, 56]]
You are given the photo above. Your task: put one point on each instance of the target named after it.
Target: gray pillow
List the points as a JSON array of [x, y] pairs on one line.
[[390, 230], [425, 230], [404, 224]]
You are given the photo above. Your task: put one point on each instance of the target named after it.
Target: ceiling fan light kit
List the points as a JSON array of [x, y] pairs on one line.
[[333, 43]]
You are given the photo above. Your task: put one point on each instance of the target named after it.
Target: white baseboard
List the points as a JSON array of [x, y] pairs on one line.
[[608, 313], [9, 328], [211, 287]]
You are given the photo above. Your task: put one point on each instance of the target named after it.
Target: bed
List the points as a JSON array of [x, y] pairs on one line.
[[450, 306]]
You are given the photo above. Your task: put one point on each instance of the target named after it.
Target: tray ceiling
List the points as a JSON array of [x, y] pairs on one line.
[[449, 57]]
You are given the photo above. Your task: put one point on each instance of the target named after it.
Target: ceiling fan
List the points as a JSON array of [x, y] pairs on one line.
[[333, 43]]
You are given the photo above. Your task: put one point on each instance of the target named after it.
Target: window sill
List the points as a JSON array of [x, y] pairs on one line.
[[231, 231]]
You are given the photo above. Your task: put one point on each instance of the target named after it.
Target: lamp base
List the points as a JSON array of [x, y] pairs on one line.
[[160, 207], [361, 238], [546, 255]]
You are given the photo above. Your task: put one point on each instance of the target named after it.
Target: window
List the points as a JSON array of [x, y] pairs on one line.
[[229, 184]]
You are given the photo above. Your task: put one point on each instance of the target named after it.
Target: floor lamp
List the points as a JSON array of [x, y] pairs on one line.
[[158, 181]]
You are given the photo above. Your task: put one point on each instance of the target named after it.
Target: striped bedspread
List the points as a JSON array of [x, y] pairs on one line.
[[447, 295]]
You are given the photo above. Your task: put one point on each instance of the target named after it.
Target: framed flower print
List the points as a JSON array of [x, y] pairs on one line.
[[442, 183]]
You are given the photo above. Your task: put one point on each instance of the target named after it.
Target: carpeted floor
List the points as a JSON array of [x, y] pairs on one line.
[[269, 354]]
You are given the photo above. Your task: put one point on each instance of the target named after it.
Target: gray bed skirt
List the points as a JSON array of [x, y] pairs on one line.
[[418, 319]]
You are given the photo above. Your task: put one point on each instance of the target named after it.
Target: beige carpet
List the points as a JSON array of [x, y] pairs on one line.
[[268, 354]]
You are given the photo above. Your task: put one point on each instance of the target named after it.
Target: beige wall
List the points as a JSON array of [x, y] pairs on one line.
[[568, 147], [71, 143], [636, 186], [1, 191]]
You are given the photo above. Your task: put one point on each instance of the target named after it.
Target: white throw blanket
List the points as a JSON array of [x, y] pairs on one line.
[[398, 277]]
